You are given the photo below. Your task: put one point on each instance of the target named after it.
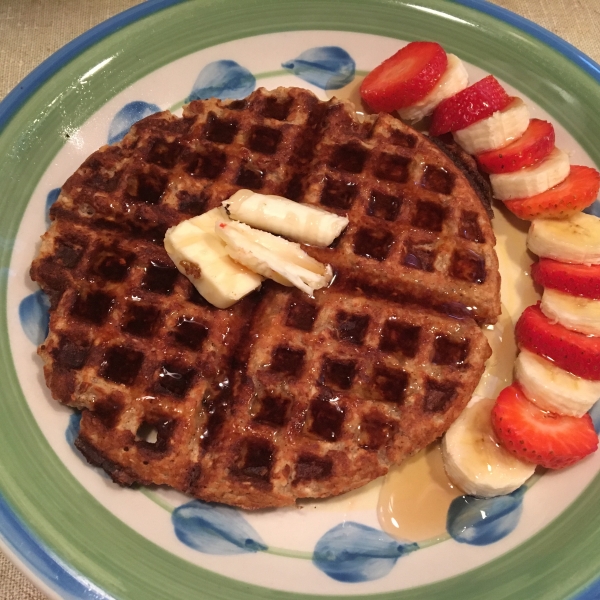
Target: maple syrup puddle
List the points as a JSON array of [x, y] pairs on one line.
[[415, 497]]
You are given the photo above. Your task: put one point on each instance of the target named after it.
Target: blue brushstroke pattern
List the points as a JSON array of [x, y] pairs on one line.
[[593, 209], [327, 67], [215, 529], [483, 521], [73, 429], [51, 198], [34, 316], [594, 412], [351, 552], [224, 79], [131, 113]]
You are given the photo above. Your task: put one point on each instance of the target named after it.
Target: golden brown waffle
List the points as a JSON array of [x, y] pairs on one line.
[[282, 396]]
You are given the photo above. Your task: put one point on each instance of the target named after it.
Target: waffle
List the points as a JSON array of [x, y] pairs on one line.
[[282, 396]]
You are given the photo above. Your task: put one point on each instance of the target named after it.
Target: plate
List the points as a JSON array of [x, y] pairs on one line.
[[78, 535]]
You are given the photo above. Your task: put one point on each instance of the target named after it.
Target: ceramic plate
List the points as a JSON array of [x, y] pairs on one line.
[[80, 536]]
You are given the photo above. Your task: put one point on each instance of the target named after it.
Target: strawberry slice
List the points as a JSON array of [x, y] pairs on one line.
[[534, 145], [404, 78], [575, 193], [543, 438], [474, 103], [577, 280], [572, 351]]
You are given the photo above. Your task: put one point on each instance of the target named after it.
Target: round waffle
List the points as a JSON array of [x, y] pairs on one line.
[[282, 396]]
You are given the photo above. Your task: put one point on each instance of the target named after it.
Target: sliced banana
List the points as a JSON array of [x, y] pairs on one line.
[[201, 256], [273, 257], [554, 389], [573, 240], [454, 80], [496, 131], [531, 181], [474, 460], [573, 312], [299, 222]]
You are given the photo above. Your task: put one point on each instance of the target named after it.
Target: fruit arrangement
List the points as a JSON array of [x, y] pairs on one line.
[[541, 419]]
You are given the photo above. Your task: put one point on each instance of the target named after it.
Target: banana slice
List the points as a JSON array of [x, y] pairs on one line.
[[573, 312], [201, 256], [554, 389], [573, 240], [273, 257], [454, 80], [496, 131], [299, 222], [524, 183], [474, 460]]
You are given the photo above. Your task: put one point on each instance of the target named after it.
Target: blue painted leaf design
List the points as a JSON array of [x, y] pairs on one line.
[[34, 316], [352, 552], [595, 414], [215, 529], [327, 67], [223, 79], [131, 113], [51, 198], [483, 521], [593, 209], [73, 428]]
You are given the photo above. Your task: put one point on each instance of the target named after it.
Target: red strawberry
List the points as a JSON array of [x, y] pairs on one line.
[[572, 351], [474, 103], [577, 280], [404, 78], [543, 438], [536, 143], [577, 191]]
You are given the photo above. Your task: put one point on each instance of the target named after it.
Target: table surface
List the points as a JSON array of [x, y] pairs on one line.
[[56, 22]]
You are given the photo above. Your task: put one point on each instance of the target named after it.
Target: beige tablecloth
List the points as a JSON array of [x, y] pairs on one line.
[[31, 30]]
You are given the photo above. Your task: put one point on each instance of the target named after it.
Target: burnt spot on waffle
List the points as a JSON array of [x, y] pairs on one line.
[[281, 396]]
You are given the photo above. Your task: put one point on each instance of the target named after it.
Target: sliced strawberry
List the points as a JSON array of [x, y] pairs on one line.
[[575, 193], [572, 351], [536, 143], [543, 438], [474, 103], [577, 280], [404, 78]]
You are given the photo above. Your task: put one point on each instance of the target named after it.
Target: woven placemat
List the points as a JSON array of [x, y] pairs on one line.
[[31, 30]]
